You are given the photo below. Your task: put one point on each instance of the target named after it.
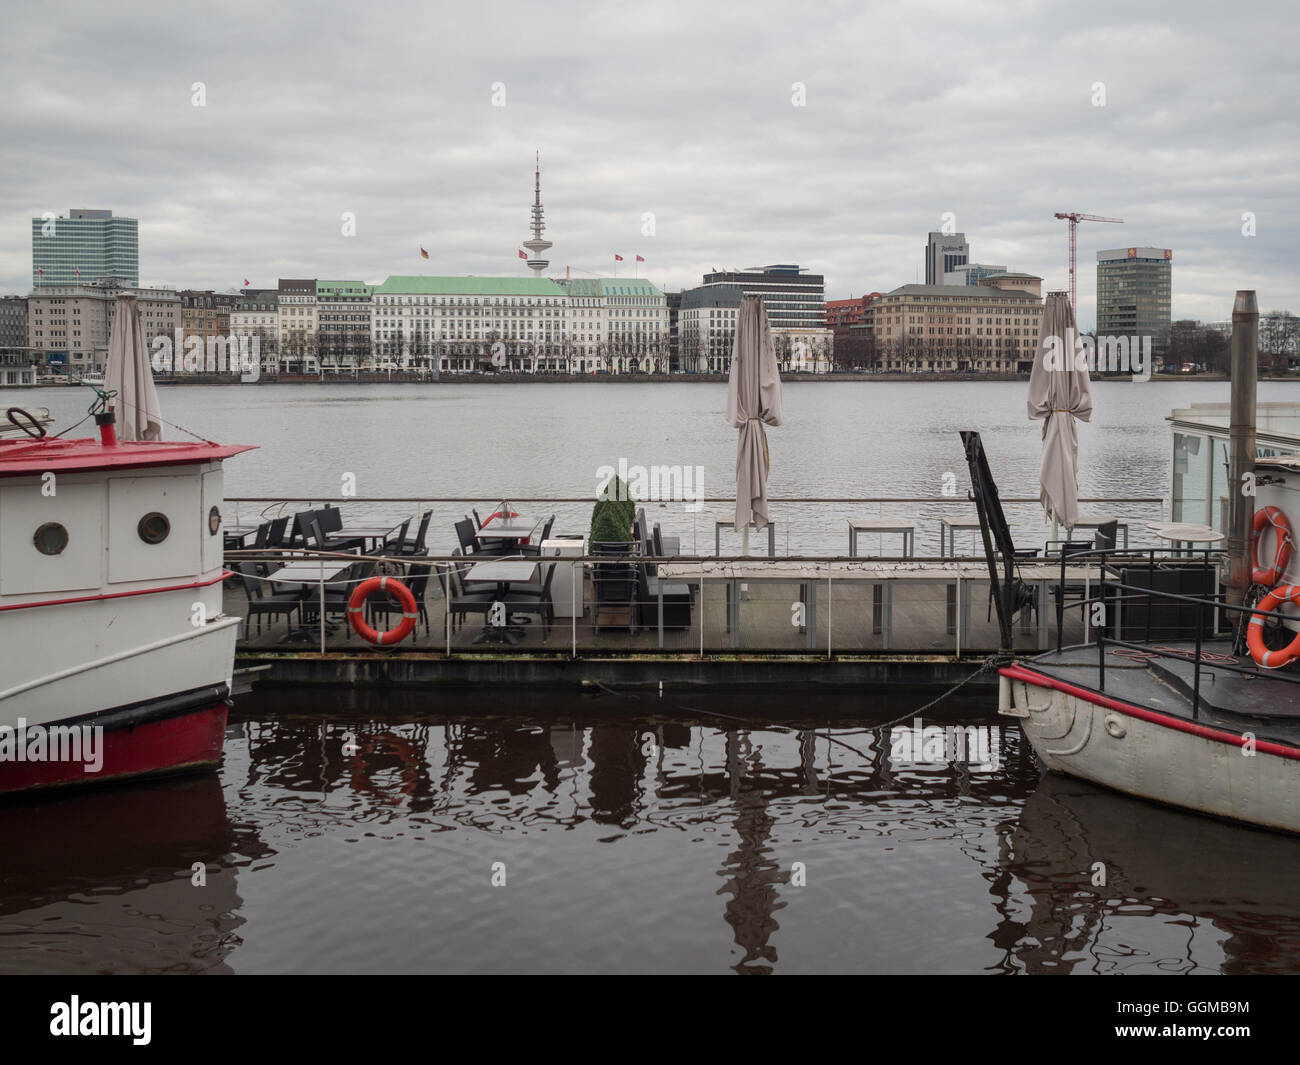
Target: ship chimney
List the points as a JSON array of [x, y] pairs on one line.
[[1241, 443], [107, 434]]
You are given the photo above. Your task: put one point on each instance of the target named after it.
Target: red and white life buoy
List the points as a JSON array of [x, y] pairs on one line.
[[363, 591], [1271, 517], [504, 517], [1287, 593]]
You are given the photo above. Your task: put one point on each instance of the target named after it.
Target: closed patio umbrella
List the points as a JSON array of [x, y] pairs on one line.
[[139, 416], [753, 400], [1059, 392]]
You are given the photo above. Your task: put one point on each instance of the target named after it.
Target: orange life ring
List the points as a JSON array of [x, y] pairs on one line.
[[363, 591], [1287, 593], [1264, 518]]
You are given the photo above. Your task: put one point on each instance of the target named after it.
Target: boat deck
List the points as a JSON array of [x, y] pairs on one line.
[[1261, 701]]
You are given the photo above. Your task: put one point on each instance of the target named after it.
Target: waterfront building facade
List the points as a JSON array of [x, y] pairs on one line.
[[13, 321], [85, 248], [205, 314], [343, 330], [794, 298], [944, 253], [296, 341], [456, 323], [707, 327], [673, 303], [69, 325], [256, 316], [1134, 294], [956, 329], [636, 321]]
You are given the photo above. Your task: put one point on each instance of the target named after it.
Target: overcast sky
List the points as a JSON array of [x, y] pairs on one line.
[[685, 112]]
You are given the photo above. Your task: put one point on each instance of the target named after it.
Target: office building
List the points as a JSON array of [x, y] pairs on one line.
[[957, 329], [794, 298], [343, 323], [13, 321], [971, 274], [69, 325], [944, 253], [85, 248], [1134, 294]]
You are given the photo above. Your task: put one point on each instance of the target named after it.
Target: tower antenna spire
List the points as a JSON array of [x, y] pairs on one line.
[[537, 246]]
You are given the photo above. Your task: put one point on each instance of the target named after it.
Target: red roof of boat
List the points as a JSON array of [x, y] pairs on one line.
[[25, 457]]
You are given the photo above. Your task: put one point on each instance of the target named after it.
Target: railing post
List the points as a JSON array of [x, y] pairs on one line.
[[321, 619], [1196, 676], [574, 577], [1101, 644]]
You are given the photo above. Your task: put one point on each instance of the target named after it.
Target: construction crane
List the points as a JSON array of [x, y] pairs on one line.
[[1075, 218]]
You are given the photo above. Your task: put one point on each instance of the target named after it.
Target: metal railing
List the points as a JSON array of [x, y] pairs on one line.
[[1106, 558]]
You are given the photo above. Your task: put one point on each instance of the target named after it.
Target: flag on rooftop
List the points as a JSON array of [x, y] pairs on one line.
[[246, 282], [522, 255], [618, 258], [640, 259], [423, 254]]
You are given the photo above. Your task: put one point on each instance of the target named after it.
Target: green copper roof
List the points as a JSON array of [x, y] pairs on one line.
[[628, 286], [468, 286]]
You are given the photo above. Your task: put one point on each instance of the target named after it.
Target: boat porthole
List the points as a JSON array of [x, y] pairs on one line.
[[1115, 726], [214, 520], [51, 538], [154, 528]]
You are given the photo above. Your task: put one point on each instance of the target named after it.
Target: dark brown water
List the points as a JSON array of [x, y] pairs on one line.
[[711, 833]]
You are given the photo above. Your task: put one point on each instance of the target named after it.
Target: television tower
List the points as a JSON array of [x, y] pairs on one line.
[[537, 246]]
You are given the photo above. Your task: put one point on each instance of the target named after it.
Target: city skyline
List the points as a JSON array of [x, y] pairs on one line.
[[766, 146]]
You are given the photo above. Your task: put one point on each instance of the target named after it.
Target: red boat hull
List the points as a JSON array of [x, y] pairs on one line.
[[188, 740]]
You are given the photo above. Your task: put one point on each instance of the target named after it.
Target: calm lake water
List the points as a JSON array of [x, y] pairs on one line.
[[692, 832], [487, 442], [703, 833]]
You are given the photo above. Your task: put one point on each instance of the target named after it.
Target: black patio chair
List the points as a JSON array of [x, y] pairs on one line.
[[465, 534], [276, 537], [615, 585], [417, 546], [534, 550], [260, 601], [391, 545], [459, 601], [337, 595], [331, 521], [541, 605]]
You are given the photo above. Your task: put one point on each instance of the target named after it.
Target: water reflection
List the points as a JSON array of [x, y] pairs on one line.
[[102, 881], [707, 833], [1224, 896]]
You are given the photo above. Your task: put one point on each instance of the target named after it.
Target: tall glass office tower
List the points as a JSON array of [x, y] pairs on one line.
[[85, 247]]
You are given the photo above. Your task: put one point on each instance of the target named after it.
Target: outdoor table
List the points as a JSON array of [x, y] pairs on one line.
[[235, 535], [1184, 535], [368, 533], [948, 530], [514, 530], [881, 525], [308, 572], [503, 573]]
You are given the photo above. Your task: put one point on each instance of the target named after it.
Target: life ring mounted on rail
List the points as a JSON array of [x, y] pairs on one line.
[[367, 588], [506, 516], [1286, 593], [1272, 517]]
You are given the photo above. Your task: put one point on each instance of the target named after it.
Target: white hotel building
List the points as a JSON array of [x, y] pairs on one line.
[[519, 325]]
